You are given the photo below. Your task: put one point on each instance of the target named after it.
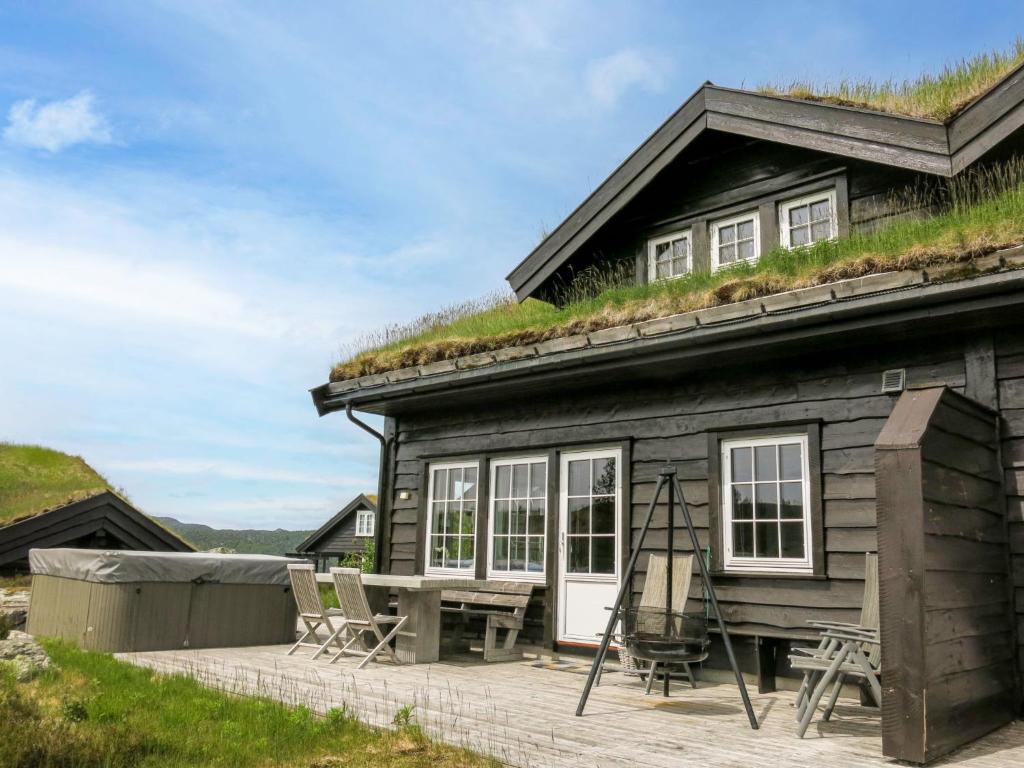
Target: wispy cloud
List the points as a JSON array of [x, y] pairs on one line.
[[57, 125], [609, 78], [229, 470]]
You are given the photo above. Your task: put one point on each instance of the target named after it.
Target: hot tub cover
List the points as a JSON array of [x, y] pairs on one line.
[[123, 566]]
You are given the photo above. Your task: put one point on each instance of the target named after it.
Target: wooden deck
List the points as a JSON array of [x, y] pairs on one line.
[[523, 714]]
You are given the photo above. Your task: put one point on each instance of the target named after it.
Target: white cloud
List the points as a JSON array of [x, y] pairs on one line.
[[609, 78], [58, 124], [229, 470]]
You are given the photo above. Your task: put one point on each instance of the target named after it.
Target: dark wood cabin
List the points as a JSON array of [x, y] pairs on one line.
[[101, 521], [878, 414], [344, 536]]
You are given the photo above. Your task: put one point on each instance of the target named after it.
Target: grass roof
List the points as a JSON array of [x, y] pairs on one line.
[[936, 96], [34, 479], [970, 216]]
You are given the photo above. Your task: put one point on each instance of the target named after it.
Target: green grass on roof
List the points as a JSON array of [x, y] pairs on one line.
[[34, 479], [935, 96], [972, 216]]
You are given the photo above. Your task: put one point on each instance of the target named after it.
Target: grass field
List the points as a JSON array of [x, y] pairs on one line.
[[33, 479], [937, 96], [96, 711], [977, 214]]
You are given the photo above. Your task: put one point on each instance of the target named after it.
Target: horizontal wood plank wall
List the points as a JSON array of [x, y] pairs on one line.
[[947, 627], [840, 392], [342, 539], [1009, 348]]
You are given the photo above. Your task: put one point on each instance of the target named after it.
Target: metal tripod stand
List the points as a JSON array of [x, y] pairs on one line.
[[667, 479]]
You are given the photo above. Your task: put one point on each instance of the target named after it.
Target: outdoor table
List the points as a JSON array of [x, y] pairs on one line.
[[419, 598]]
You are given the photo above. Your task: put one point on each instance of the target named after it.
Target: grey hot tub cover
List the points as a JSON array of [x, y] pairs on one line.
[[117, 566]]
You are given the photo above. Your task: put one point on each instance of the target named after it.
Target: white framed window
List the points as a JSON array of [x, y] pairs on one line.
[[364, 522], [518, 514], [669, 256], [809, 219], [766, 504], [735, 239], [451, 519], [590, 491]]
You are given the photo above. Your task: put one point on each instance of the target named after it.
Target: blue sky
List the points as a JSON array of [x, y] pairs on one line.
[[202, 204]]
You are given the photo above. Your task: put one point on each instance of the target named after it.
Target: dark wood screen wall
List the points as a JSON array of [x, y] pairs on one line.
[[948, 666]]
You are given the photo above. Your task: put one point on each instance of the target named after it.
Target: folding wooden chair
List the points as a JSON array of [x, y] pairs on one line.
[[361, 620], [845, 650], [312, 611]]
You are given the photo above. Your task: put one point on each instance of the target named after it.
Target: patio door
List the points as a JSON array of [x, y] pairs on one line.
[[589, 506]]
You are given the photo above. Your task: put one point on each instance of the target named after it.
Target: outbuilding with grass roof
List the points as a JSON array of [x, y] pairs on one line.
[[50, 499]]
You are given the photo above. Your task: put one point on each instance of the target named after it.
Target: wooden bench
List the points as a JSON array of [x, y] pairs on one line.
[[502, 606]]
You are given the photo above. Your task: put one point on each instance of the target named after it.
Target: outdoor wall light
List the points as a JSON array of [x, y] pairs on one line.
[[405, 495]]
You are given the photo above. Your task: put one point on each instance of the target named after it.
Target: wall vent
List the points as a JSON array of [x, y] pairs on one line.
[[894, 380]]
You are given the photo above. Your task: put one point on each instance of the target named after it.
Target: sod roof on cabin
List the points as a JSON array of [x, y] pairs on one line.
[[934, 96], [984, 214], [34, 480]]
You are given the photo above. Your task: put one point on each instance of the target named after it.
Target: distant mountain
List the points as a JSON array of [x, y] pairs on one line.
[[247, 541]]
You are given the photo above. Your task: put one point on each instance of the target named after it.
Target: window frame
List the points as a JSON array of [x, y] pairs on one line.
[[812, 430], [654, 242], [361, 516], [468, 572], [780, 564], [716, 224], [508, 575], [785, 206]]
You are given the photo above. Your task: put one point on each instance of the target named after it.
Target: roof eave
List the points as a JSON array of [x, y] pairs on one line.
[[826, 318]]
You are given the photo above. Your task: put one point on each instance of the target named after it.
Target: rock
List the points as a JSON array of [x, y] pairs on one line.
[[23, 653]]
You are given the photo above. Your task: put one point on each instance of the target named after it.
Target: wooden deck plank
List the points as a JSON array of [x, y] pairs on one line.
[[524, 715]]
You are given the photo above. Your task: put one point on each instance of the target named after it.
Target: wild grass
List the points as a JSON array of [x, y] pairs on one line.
[[33, 479], [959, 221], [15, 582], [96, 711], [938, 96]]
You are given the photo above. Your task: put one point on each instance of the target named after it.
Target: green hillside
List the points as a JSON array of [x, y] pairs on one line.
[[33, 479], [247, 541]]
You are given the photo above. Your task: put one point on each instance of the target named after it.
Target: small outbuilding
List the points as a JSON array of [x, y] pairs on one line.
[[103, 520], [345, 536]]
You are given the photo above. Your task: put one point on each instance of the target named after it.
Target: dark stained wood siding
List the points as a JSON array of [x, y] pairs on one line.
[[343, 538], [839, 391], [947, 624], [1009, 388]]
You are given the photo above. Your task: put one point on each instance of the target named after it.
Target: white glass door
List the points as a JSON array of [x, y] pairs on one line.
[[590, 505]]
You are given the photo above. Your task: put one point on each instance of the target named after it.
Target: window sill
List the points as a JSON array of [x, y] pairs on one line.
[[467, 574], [519, 577], [805, 575]]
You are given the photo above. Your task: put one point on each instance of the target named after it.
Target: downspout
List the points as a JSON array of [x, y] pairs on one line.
[[378, 529]]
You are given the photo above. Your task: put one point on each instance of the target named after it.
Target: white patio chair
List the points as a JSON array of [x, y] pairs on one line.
[[360, 620], [312, 612]]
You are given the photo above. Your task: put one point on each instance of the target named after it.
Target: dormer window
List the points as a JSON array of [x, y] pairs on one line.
[[735, 239], [808, 220], [669, 256]]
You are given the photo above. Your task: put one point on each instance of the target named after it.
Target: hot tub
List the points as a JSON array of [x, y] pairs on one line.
[[148, 601]]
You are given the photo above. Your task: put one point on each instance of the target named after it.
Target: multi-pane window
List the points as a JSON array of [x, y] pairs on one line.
[[364, 522], [808, 220], [766, 504], [734, 240], [451, 518], [590, 506], [518, 517], [668, 256]]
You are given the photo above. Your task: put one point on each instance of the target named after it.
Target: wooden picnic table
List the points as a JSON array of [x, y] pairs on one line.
[[419, 598]]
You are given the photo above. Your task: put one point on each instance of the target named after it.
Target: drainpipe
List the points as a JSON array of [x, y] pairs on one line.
[[378, 530]]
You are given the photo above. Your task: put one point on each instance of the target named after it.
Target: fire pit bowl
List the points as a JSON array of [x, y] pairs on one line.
[[667, 637]]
